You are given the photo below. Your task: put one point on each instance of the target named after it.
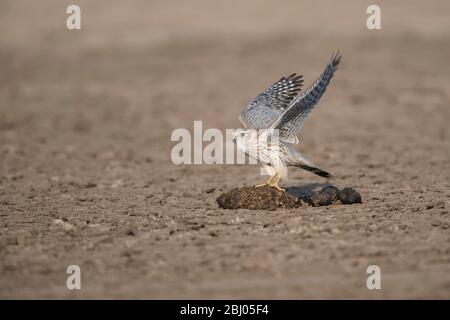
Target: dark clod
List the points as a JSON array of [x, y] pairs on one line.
[[325, 197], [349, 196]]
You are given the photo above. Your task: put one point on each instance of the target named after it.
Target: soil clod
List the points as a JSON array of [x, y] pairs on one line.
[[349, 196], [325, 197]]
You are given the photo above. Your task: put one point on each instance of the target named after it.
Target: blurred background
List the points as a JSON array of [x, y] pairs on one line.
[[85, 123]]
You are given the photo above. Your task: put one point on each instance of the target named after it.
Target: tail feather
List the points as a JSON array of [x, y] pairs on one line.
[[316, 170]]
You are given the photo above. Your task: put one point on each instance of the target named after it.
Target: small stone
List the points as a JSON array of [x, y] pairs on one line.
[[210, 190], [117, 183], [21, 238], [437, 204], [436, 223], [335, 231], [64, 225], [130, 232], [90, 185], [197, 227]]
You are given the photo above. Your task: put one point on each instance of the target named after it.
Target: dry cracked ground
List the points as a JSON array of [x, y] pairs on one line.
[[85, 171]]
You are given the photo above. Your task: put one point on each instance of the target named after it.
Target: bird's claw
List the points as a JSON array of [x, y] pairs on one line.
[[261, 185], [277, 187], [270, 185]]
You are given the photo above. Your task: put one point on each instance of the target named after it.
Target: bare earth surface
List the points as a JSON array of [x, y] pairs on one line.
[[85, 170]]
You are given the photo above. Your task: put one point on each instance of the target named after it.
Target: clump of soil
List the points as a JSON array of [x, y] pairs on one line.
[[349, 196], [263, 198], [325, 197], [268, 198], [330, 195]]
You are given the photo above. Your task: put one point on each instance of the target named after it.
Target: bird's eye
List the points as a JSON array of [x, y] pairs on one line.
[[242, 134]]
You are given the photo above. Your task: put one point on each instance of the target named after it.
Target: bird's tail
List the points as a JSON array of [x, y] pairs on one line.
[[296, 159], [315, 170], [308, 165]]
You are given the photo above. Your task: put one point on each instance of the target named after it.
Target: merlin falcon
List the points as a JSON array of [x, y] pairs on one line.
[[274, 118]]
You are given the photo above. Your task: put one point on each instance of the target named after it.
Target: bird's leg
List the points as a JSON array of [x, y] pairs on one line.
[[267, 183], [274, 182]]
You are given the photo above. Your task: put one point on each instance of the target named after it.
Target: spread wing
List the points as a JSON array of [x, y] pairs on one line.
[[291, 121], [269, 104]]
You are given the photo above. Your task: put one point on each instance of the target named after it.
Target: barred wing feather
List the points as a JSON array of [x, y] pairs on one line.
[[291, 120], [269, 104]]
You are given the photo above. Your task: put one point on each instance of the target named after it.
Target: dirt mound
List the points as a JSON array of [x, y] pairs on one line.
[[268, 198], [264, 198]]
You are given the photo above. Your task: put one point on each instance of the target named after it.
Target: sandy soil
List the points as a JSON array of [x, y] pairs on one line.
[[85, 170]]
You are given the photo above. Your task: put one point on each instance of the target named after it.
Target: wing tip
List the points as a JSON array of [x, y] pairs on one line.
[[336, 58], [294, 78]]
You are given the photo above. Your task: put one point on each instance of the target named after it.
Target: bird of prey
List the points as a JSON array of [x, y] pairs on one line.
[[273, 119]]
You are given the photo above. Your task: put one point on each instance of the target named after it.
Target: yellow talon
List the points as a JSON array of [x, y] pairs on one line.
[[274, 182], [267, 183], [271, 182], [261, 185], [276, 186]]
